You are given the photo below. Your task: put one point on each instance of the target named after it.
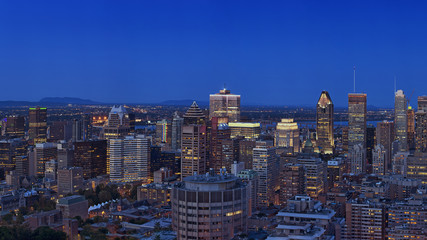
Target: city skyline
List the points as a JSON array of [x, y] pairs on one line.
[[249, 46]]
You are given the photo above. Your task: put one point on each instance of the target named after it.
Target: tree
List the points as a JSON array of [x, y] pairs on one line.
[[8, 218], [104, 196], [46, 233]]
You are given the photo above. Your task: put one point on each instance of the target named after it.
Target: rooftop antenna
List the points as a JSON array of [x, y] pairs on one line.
[[394, 84], [354, 78]]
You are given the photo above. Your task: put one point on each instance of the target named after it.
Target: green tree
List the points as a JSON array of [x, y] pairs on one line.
[[104, 196], [8, 218], [46, 233]]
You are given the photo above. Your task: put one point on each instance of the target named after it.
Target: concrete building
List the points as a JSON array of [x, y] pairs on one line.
[[357, 155], [43, 152], [251, 178], [73, 206], [303, 218], [70, 180], [292, 181], [315, 175], [243, 129], [385, 137], [378, 160], [210, 207]]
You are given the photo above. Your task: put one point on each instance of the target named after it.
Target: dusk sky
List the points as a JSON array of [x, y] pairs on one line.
[[270, 52]]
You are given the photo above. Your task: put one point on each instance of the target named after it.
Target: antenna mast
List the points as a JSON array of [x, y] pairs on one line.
[[354, 79]]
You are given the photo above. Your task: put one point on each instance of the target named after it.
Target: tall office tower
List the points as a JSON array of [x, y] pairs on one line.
[[43, 152], [130, 159], [176, 131], [345, 139], [292, 181], [287, 134], [251, 178], [401, 120], [356, 120], [421, 131], [10, 150], [224, 104], [60, 130], [92, 157], [378, 160], [15, 126], [247, 130], [370, 142], [78, 130], [400, 163], [246, 148], [411, 128], [225, 203], [193, 142], [70, 180], [230, 153], [385, 137], [37, 125], [325, 123], [357, 156], [417, 166], [422, 103], [265, 164], [65, 154], [315, 175], [118, 124], [218, 133], [303, 218], [365, 220], [51, 167], [22, 166], [334, 173], [163, 131]]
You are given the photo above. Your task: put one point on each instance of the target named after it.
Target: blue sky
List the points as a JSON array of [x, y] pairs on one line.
[[270, 52]]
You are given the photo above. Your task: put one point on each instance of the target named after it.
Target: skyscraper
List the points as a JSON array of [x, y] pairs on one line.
[[92, 157], [130, 159], [378, 160], [287, 134], [224, 104], [223, 203], [357, 155], [38, 125], [422, 103], [218, 133], [176, 131], [325, 123], [356, 119], [411, 128], [421, 131], [385, 136], [70, 180], [193, 142], [265, 164], [401, 120], [15, 126], [118, 124], [163, 132]]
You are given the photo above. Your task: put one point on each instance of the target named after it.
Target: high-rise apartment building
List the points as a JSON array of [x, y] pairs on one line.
[[130, 159], [176, 131], [287, 134], [193, 142], [356, 119], [92, 157], [325, 123], [401, 120], [210, 207], [365, 220], [265, 164], [37, 125], [225, 104]]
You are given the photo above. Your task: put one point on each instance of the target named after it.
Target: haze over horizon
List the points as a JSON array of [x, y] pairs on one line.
[[148, 52]]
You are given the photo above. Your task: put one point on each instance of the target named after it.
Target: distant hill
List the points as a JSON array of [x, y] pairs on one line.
[[185, 102], [67, 100]]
